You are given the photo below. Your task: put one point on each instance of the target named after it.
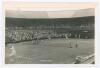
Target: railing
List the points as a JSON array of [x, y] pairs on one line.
[[85, 60]]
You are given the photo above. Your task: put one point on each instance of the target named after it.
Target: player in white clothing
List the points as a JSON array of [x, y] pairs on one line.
[[12, 53]]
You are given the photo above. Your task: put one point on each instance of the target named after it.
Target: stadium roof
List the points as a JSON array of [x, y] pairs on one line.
[[50, 14], [50, 10]]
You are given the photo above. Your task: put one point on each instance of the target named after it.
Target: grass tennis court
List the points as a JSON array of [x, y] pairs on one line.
[[54, 51]]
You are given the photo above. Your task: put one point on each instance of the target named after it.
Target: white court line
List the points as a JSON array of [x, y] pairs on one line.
[[24, 57]]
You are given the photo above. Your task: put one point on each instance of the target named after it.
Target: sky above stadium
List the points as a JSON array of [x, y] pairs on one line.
[[48, 10]]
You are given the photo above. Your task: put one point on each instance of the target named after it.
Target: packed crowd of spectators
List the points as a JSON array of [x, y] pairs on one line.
[[13, 36], [19, 35]]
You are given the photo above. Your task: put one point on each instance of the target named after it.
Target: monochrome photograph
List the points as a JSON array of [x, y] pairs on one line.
[[49, 33]]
